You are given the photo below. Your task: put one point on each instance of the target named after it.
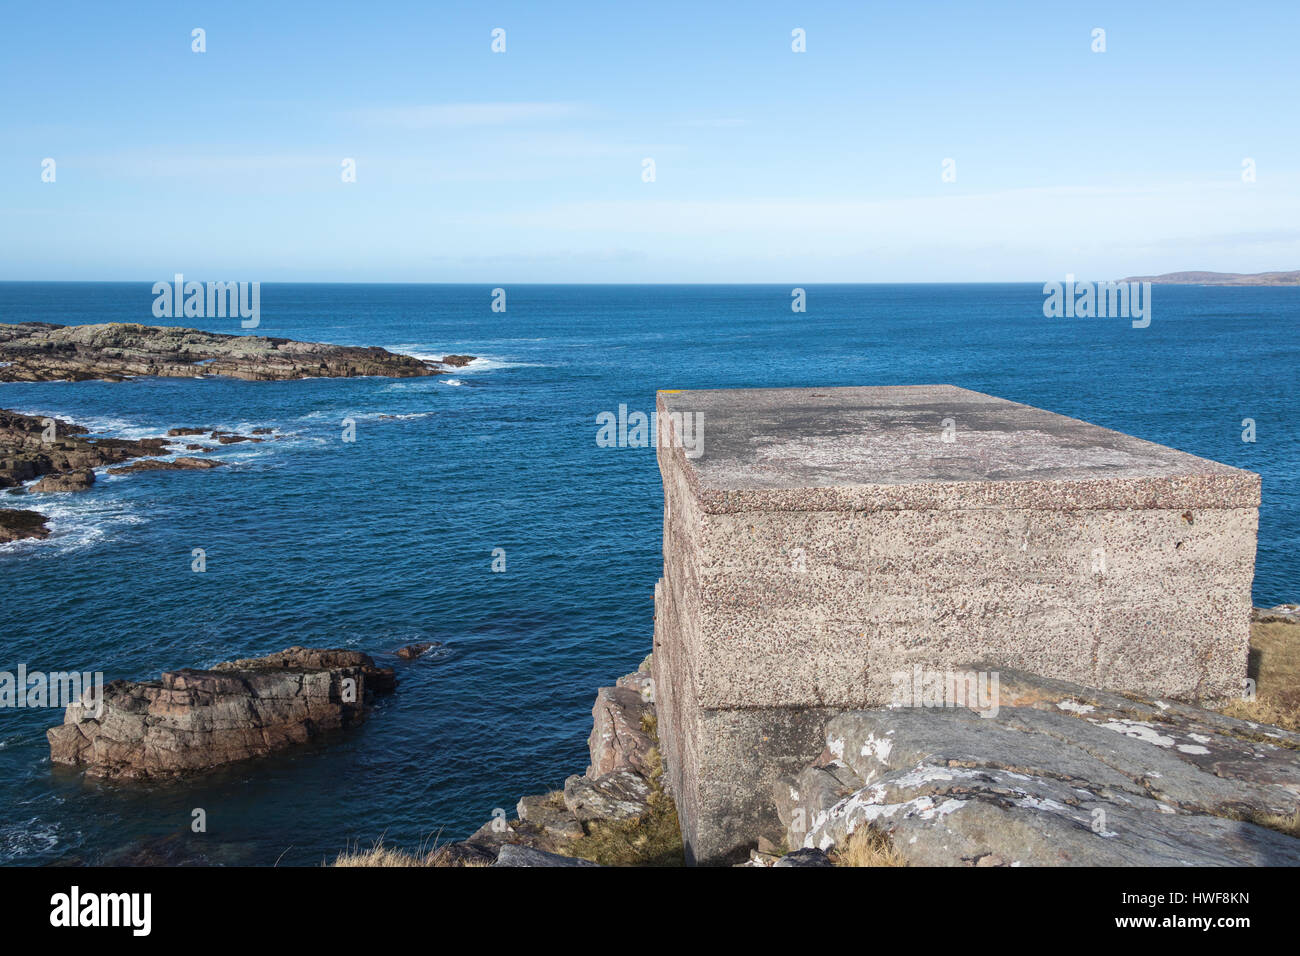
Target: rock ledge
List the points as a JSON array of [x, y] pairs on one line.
[[194, 720]]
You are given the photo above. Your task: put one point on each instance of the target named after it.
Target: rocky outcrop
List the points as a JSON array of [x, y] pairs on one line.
[[67, 481], [235, 439], [60, 457], [514, 854], [175, 464], [194, 720], [42, 352], [1281, 614], [621, 795], [1061, 775], [34, 446], [411, 651], [17, 524], [618, 738], [620, 815]]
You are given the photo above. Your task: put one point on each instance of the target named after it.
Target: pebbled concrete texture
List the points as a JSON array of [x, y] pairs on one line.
[[827, 539]]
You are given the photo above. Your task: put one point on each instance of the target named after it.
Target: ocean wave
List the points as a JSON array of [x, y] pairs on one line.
[[99, 425], [76, 524], [482, 363], [107, 426], [485, 363], [31, 837], [337, 416]]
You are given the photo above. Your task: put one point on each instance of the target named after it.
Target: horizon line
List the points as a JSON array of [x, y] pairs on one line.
[[683, 283]]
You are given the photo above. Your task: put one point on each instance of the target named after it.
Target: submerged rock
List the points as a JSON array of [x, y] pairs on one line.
[[1062, 775], [235, 439], [411, 651], [193, 720]]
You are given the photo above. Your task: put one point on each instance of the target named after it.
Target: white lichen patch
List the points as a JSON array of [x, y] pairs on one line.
[[836, 747], [1074, 707], [1139, 730], [869, 805], [878, 749], [1043, 803], [1200, 738], [1195, 749]]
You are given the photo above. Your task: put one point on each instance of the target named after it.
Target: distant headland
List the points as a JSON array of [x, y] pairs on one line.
[[1221, 278]]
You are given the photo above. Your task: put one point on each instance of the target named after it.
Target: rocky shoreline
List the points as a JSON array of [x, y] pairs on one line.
[[616, 813], [44, 352], [59, 456], [1061, 775]]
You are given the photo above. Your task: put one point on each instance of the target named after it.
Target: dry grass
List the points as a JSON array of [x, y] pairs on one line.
[[381, 855], [868, 847], [653, 840], [1275, 666], [1282, 823]]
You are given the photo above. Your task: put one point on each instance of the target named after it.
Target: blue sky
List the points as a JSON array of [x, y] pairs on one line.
[[526, 166]]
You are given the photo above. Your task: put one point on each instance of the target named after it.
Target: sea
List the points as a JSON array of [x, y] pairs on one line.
[[391, 538]]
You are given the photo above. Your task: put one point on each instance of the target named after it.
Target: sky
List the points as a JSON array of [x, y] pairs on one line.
[[529, 165]]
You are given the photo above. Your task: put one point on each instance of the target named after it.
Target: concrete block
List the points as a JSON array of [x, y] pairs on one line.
[[829, 539]]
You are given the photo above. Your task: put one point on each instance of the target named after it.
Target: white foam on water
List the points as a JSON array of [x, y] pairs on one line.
[[18, 840], [336, 417], [486, 363], [76, 522], [483, 363]]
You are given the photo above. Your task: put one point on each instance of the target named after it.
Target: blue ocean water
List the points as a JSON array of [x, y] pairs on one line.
[[389, 540]]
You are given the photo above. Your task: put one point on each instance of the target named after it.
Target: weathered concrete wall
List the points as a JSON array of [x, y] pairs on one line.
[[829, 539]]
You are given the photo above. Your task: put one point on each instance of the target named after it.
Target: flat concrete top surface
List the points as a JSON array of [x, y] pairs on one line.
[[793, 439]]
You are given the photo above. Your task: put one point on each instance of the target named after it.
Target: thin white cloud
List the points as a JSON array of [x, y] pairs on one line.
[[722, 122], [468, 114]]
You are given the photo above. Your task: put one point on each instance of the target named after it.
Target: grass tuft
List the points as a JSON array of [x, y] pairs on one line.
[[653, 840], [1275, 667], [869, 847]]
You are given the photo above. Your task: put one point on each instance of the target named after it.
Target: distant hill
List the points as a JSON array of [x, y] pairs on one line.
[[1220, 278]]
